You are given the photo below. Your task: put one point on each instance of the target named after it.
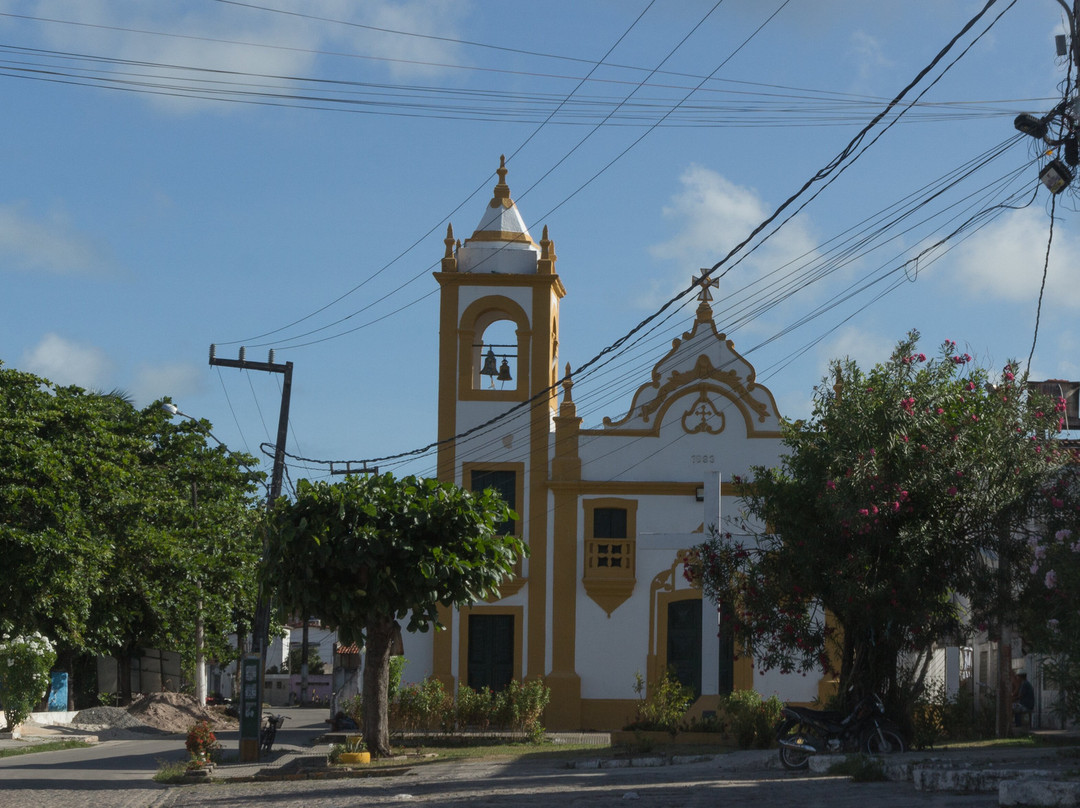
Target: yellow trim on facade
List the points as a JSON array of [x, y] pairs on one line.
[[607, 714], [501, 235], [459, 278]]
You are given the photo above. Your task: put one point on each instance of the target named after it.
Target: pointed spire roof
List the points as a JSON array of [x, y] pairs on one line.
[[501, 242], [502, 220]]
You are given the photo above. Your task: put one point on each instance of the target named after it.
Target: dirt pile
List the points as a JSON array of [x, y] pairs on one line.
[[176, 712]]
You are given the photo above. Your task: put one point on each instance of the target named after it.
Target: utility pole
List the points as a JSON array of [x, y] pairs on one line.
[[254, 664]]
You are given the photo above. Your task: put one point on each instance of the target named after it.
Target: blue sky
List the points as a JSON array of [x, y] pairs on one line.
[[280, 174]]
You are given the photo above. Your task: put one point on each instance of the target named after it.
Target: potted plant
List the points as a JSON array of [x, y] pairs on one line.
[[355, 750], [203, 746]]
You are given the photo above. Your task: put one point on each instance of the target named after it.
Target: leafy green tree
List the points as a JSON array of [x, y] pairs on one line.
[[900, 500], [1050, 603], [316, 665], [64, 467], [366, 552], [103, 548]]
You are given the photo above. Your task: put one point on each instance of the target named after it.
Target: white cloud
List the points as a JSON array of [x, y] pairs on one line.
[[178, 380], [51, 245], [711, 215], [68, 363], [867, 348], [237, 39], [1005, 260], [869, 57]]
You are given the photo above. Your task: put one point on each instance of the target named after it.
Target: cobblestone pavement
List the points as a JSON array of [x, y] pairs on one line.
[[480, 785]]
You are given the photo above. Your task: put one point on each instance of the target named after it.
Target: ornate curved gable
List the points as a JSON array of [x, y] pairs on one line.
[[704, 382]]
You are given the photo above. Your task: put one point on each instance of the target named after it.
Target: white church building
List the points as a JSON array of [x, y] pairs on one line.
[[607, 512]]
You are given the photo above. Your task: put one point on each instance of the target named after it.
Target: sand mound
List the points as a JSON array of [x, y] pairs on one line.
[[176, 712]]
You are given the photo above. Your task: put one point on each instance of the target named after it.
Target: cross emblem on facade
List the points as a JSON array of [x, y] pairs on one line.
[[705, 282]]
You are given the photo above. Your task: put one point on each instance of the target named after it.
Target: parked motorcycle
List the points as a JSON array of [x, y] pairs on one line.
[[803, 732]]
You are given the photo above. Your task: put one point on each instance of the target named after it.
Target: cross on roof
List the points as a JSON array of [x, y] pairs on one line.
[[705, 282]]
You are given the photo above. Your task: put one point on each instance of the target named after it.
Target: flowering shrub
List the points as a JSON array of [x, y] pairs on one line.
[[889, 502], [25, 662], [202, 744]]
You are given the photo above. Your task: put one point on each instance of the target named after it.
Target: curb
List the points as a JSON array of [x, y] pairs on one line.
[[1039, 792]]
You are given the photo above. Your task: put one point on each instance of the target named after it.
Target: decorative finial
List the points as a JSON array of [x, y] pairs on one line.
[[449, 261], [704, 310], [705, 282], [502, 190], [568, 383], [449, 241]]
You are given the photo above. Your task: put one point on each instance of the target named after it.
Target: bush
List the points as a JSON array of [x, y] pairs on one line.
[[663, 708], [425, 706], [752, 720], [25, 662], [475, 708], [937, 718], [519, 707]]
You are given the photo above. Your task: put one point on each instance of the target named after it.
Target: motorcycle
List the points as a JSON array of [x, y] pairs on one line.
[[803, 732]]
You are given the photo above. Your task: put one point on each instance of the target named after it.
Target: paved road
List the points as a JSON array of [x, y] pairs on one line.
[[487, 785], [118, 774]]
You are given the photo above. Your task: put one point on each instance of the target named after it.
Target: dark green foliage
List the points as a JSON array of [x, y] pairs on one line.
[[889, 504], [366, 552], [752, 720], [117, 525]]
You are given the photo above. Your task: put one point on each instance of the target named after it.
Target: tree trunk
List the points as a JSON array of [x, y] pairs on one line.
[[304, 665], [200, 654], [1004, 688], [380, 635]]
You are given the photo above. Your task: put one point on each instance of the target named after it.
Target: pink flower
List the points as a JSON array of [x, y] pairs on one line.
[[951, 491], [831, 485], [1050, 580], [940, 411], [1009, 376], [1062, 534], [864, 512]]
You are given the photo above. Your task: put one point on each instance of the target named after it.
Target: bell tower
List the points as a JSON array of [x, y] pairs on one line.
[[498, 356]]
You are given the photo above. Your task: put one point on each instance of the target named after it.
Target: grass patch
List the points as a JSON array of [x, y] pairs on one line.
[[452, 750], [47, 746], [860, 768], [522, 751], [171, 771]]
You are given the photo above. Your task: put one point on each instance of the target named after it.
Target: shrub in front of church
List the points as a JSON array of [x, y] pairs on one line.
[[752, 720], [516, 708], [662, 707], [423, 706], [519, 707]]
